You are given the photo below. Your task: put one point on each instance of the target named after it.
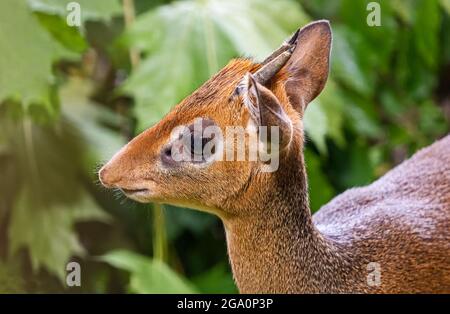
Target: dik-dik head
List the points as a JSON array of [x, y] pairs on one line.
[[193, 156]]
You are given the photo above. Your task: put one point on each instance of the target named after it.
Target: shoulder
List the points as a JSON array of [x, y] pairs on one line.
[[415, 194]]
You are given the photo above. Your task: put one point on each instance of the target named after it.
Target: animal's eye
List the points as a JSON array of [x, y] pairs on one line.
[[194, 143], [198, 144], [197, 147]]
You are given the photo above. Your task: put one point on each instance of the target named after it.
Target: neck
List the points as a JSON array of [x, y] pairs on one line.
[[276, 247]]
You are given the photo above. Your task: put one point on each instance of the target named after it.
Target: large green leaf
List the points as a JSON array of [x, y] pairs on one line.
[[148, 275], [70, 37], [28, 53], [48, 232], [91, 120], [187, 41], [52, 15], [346, 62], [184, 219], [324, 117], [354, 166], [362, 115], [316, 124], [49, 193], [218, 279]]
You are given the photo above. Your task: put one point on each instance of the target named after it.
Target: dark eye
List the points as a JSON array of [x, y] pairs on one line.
[[193, 143], [204, 142], [197, 147], [198, 144]]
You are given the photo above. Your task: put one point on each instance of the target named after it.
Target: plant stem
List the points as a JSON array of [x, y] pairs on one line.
[[160, 244], [129, 16]]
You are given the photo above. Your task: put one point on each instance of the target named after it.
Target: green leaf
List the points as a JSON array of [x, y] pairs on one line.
[[187, 41], [373, 45], [353, 167], [320, 189], [91, 120], [49, 196], [315, 122], [218, 279], [347, 65], [185, 219], [361, 115], [28, 53], [69, 37], [90, 9], [360, 52], [445, 5], [426, 30], [324, 118], [432, 119], [147, 275], [419, 48], [47, 232]]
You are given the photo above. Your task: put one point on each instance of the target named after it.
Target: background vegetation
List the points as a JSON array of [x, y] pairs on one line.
[[70, 97]]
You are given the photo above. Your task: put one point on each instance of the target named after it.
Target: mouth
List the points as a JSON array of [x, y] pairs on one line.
[[139, 195], [131, 192]]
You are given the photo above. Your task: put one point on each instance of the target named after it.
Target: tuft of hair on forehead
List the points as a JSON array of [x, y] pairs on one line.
[[221, 85], [217, 89]]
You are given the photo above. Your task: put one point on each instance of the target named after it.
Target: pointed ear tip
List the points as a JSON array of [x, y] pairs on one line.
[[319, 24], [294, 37], [323, 22]]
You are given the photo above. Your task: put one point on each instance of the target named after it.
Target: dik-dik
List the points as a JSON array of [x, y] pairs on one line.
[[398, 227]]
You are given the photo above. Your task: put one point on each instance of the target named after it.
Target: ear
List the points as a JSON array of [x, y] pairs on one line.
[[265, 110], [308, 66]]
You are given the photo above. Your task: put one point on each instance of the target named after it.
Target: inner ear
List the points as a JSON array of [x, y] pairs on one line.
[[308, 66], [266, 111]]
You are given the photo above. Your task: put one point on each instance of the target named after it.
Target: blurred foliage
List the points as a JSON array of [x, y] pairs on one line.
[[193, 40], [69, 98], [147, 275]]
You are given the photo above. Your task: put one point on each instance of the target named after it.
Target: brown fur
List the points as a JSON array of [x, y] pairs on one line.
[[401, 221]]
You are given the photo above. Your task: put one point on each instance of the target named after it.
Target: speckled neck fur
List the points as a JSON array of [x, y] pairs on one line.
[[281, 249]]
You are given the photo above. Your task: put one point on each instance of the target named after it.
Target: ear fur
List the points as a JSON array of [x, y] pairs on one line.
[[308, 66], [266, 110]]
